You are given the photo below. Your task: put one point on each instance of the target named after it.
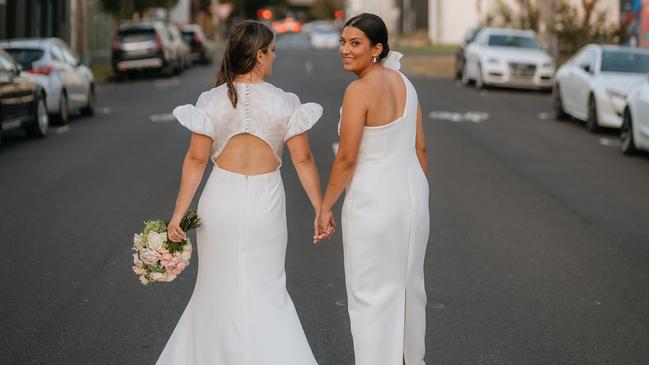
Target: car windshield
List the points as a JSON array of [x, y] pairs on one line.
[[25, 56], [136, 34], [621, 61], [501, 40]]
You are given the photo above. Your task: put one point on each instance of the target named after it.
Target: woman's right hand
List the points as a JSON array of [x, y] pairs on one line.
[[174, 232]]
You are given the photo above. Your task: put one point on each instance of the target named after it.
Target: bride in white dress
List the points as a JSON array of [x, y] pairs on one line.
[[240, 312], [381, 161]]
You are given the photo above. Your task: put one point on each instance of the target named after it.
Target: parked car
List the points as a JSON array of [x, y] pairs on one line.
[[592, 86], [507, 57], [182, 48], [459, 52], [144, 46], [635, 119], [323, 35], [69, 84], [22, 100], [201, 48]]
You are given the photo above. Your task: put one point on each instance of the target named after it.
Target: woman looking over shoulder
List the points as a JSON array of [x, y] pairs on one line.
[[381, 162]]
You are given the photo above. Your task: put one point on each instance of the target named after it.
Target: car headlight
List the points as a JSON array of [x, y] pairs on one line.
[[548, 65]]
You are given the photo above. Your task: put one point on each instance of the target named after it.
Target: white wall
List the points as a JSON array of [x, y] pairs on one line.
[[180, 13], [449, 20], [383, 8]]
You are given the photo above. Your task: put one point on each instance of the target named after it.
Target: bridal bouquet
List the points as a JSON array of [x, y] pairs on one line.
[[158, 259]]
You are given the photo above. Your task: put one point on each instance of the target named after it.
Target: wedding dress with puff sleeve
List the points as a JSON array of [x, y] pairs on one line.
[[240, 312]]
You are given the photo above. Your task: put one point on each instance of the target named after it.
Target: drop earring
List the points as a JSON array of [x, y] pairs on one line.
[[374, 59]]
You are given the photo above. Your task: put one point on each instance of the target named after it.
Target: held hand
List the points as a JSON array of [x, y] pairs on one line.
[[174, 232], [325, 226]]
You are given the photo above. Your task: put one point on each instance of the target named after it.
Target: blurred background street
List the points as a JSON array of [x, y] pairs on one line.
[[539, 227]]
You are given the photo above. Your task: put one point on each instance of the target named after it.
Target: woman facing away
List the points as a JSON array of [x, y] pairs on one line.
[[240, 312], [381, 161]]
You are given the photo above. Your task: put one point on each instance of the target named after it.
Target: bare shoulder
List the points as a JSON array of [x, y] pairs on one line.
[[357, 90]]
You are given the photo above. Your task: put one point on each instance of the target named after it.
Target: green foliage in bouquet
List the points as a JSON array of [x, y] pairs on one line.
[[157, 226], [190, 221]]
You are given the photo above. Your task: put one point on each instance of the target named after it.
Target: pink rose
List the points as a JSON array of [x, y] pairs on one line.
[[139, 270], [149, 256]]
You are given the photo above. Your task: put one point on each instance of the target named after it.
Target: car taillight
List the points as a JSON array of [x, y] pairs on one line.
[[158, 43], [41, 70]]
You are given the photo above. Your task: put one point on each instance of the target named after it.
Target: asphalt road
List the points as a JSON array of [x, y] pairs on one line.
[[537, 255]]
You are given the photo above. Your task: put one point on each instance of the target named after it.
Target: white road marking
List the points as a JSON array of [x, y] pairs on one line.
[[609, 142], [162, 118], [105, 110], [63, 129], [308, 67], [544, 116], [334, 146], [456, 117]]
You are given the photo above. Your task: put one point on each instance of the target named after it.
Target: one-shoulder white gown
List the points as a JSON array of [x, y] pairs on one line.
[[385, 226]]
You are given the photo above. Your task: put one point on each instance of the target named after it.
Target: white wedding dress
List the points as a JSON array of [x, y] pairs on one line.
[[385, 224], [240, 312]]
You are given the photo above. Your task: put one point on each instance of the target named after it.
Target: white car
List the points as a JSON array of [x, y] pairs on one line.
[[68, 83], [507, 57], [592, 86], [323, 35], [635, 125]]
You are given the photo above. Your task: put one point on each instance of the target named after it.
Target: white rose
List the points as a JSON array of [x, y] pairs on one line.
[[157, 276], [186, 255], [168, 277], [138, 242], [136, 260], [156, 240], [144, 280]]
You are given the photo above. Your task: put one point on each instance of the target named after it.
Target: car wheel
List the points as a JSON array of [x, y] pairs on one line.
[[41, 123], [89, 109], [591, 123], [479, 82], [465, 76], [626, 135], [64, 116], [459, 66], [557, 104]]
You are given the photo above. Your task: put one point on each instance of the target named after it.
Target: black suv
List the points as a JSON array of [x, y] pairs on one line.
[[22, 100], [145, 46]]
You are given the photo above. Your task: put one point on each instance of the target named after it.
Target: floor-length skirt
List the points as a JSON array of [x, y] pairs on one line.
[[240, 312]]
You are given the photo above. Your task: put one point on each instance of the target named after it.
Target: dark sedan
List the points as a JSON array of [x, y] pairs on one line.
[[22, 100]]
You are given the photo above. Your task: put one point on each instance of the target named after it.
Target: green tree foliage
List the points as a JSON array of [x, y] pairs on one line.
[[124, 9], [526, 15], [574, 28]]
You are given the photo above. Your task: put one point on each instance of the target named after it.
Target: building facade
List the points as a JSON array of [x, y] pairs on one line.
[[35, 18]]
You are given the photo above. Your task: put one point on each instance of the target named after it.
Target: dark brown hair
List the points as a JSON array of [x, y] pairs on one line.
[[240, 57], [374, 28]]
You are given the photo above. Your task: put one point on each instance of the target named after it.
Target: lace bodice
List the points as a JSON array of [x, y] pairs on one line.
[[263, 110]]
